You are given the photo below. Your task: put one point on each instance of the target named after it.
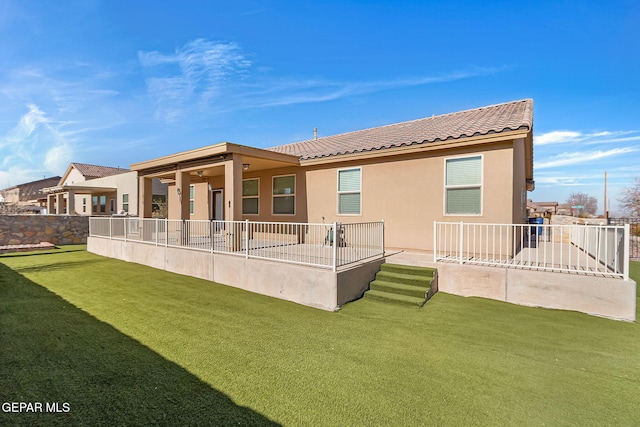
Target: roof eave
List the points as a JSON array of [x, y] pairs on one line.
[[424, 146]]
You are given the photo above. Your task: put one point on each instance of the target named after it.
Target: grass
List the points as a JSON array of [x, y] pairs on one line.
[[127, 344]]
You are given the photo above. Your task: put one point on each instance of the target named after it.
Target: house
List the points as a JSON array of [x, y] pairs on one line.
[[28, 197], [96, 190], [472, 166], [541, 209]]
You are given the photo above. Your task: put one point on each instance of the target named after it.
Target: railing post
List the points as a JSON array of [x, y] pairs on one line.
[[110, 228], [166, 232], [625, 273], [335, 246], [246, 239], [435, 241], [125, 229], [461, 239], [383, 251]]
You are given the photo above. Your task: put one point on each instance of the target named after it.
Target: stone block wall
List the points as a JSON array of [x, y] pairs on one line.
[[34, 229]]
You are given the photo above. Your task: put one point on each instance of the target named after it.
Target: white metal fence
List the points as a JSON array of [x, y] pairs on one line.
[[320, 245], [588, 249]]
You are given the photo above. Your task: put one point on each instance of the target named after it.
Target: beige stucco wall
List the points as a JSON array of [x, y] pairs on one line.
[[406, 191], [126, 183], [74, 177], [265, 196], [519, 182]]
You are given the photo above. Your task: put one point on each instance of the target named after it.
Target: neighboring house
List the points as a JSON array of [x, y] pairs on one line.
[[88, 190], [472, 166], [96, 190], [28, 197], [541, 209]]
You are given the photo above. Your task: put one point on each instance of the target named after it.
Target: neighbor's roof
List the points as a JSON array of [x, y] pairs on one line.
[[511, 116], [94, 171]]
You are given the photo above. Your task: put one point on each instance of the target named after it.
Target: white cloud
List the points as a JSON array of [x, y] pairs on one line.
[[34, 146], [58, 158], [566, 159], [570, 136], [198, 72], [556, 137], [201, 73]]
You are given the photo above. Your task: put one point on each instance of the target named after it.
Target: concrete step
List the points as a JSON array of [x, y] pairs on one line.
[[394, 298], [408, 269], [405, 279], [398, 288]]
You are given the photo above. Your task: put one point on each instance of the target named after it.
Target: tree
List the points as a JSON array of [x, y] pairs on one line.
[[590, 203], [630, 199]]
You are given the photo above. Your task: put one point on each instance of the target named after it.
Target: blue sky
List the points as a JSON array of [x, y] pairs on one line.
[[116, 82]]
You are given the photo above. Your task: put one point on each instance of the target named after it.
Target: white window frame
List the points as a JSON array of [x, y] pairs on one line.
[[192, 200], [125, 204], [257, 196], [273, 196], [447, 187], [348, 192]]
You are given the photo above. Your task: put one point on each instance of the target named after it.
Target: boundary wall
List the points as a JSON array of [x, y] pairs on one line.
[[35, 229]]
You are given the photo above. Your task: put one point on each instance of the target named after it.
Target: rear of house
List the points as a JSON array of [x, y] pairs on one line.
[[472, 166]]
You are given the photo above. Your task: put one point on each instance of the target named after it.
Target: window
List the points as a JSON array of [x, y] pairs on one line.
[[463, 186], [284, 195], [250, 196], [94, 204], [84, 205], [113, 205], [125, 203], [349, 195], [192, 199], [103, 204]]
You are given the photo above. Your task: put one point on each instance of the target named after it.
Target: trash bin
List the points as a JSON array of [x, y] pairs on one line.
[[536, 230]]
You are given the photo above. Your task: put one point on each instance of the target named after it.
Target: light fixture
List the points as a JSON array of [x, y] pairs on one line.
[[200, 173], [245, 166]]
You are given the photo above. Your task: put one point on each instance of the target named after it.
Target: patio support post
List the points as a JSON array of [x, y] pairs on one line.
[[59, 203], [183, 181], [51, 200], [145, 200], [233, 199], [71, 202]]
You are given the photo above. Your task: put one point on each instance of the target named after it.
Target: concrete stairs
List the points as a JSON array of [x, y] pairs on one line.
[[403, 284]]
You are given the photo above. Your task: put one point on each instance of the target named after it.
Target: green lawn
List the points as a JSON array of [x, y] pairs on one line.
[[126, 344]]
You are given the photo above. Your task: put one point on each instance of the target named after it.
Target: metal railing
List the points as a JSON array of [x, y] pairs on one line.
[[319, 245], [588, 249]]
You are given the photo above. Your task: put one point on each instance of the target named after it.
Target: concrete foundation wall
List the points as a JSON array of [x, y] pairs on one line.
[[599, 296], [313, 287]]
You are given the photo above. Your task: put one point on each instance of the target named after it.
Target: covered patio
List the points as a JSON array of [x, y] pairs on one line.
[[207, 183], [61, 200]]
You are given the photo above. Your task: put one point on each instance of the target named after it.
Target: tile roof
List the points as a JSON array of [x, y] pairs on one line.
[[498, 118], [94, 171]]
